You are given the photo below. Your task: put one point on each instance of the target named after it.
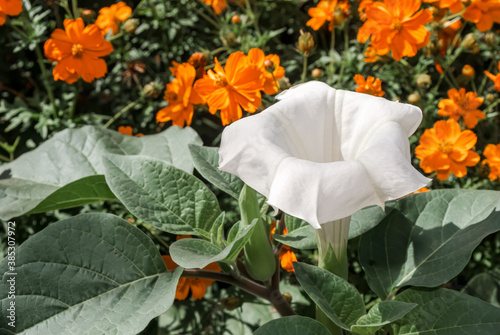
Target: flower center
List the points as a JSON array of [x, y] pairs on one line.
[[170, 96], [220, 80], [396, 25], [77, 50], [445, 147]]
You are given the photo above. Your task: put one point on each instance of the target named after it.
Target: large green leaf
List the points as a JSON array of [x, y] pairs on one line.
[[197, 253], [338, 299], [162, 195], [293, 325], [206, 161], [90, 274], [367, 218], [76, 153], [446, 312], [78, 193], [381, 314], [427, 238]]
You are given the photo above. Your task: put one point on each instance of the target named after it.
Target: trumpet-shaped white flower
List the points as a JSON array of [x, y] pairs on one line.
[[321, 154]]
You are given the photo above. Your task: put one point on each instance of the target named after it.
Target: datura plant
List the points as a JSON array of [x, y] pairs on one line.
[[318, 168]]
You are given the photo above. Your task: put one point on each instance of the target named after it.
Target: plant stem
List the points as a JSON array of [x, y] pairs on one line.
[[76, 13], [344, 55], [121, 112], [40, 60], [271, 294], [332, 52], [304, 69], [72, 108]]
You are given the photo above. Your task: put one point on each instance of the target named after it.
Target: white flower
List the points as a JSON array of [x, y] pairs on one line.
[[321, 154]]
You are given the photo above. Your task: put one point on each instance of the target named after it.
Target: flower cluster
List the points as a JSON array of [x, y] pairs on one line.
[[230, 89]]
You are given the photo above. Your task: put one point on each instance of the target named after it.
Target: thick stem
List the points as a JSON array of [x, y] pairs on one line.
[[271, 294], [304, 69], [121, 112]]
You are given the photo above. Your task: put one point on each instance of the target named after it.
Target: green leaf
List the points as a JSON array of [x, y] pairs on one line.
[[485, 286], [90, 274], [367, 218], [293, 325], [74, 154], [338, 299], [206, 161], [380, 315], [446, 312], [193, 253], [78, 193], [427, 238], [301, 238], [162, 195]]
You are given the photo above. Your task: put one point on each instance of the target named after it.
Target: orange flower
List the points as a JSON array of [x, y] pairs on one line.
[[286, 255], [109, 17], [77, 50], [396, 26], [496, 79], [180, 97], [445, 148], [270, 68], [492, 154], [462, 105], [9, 7], [127, 130], [232, 88], [483, 13], [217, 5], [454, 6], [198, 286], [370, 86], [333, 11]]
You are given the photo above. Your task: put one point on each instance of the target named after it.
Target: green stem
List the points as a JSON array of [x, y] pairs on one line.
[[344, 56], [269, 293], [304, 69], [490, 107], [121, 112], [72, 107], [206, 17], [254, 17], [76, 13], [331, 53], [50, 93]]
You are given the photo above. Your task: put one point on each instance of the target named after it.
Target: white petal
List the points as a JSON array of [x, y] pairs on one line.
[[321, 154]]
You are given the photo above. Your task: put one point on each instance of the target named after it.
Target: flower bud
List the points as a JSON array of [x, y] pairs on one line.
[[306, 42], [414, 98], [152, 90], [424, 80], [316, 73], [468, 71], [235, 19], [287, 297], [231, 303], [469, 41], [228, 38], [490, 97], [489, 38], [87, 14], [130, 26]]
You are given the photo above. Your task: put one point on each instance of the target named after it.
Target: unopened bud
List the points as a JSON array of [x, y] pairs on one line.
[[468, 71], [287, 297], [152, 90], [489, 38], [316, 73], [228, 39], [231, 303], [235, 19], [424, 80], [469, 41], [306, 42], [130, 25], [490, 97], [414, 98], [87, 14]]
